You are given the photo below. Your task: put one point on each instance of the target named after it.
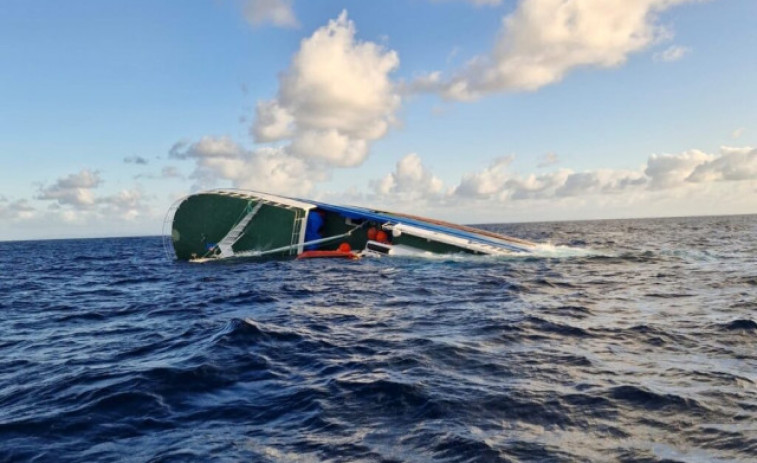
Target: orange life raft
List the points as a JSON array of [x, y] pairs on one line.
[[328, 254]]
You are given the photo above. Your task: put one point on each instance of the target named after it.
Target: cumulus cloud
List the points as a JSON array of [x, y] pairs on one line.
[[565, 183], [496, 182], [662, 172], [74, 200], [671, 170], [266, 169], [207, 147], [579, 183], [543, 40], [126, 204], [534, 186], [672, 53], [330, 146], [666, 171], [335, 98], [16, 210], [276, 12], [691, 182], [486, 183], [733, 164], [73, 190], [272, 122], [411, 180]]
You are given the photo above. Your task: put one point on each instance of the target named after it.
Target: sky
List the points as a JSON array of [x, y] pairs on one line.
[[474, 111]]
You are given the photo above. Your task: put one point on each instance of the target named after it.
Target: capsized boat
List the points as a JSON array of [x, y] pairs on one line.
[[226, 223]]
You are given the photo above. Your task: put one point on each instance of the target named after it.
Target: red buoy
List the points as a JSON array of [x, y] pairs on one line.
[[382, 237], [344, 247]]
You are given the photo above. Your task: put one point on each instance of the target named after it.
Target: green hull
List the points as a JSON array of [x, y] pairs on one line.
[[202, 221]]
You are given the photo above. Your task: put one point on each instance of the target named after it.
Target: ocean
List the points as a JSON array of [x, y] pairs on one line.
[[619, 341]]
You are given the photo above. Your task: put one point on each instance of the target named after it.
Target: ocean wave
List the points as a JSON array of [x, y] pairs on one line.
[[623, 341]]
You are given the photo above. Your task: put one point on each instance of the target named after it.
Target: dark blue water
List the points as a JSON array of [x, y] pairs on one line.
[[642, 349]]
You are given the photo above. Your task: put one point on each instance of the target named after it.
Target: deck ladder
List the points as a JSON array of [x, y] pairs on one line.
[[297, 227], [226, 243]]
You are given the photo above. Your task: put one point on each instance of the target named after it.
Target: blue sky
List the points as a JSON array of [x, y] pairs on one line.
[[466, 110]]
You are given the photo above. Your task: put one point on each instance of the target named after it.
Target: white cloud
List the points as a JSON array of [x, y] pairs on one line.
[[336, 82], [124, 213], [73, 190], [207, 147], [578, 184], [619, 181], [738, 132], [410, 181], [496, 183], [126, 204], [671, 170], [330, 146], [486, 183], [276, 12], [565, 183], [74, 201], [672, 53], [535, 186], [543, 40], [272, 122], [337, 92], [19, 209], [670, 173], [333, 101], [733, 164], [665, 181], [602, 182], [272, 170]]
